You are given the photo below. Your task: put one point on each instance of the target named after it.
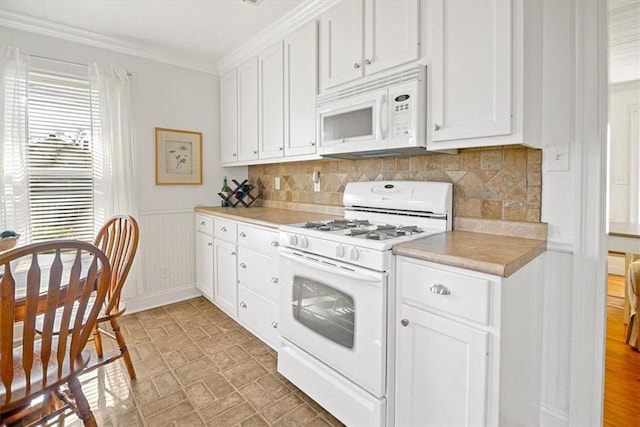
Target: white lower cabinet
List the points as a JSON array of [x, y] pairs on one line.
[[259, 315], [204, 254], [225, 289], [467, 345]]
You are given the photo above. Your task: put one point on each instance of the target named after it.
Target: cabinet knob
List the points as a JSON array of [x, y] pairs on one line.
[[235, 155], [255, 151], [367, 61], [280, 148], [356, 65], [312, 144], [210, 244], [233, 254], [275, 244], [404, 322], [436, 127], [274, 280], [243, 234], [243, 265], [440, 289], [243, 304], [274, 324]]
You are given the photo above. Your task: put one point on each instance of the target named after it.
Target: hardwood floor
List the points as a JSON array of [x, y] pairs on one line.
[[622, 365]]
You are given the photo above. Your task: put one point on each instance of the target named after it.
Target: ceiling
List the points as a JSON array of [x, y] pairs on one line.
[[192, 33], [198, 33]]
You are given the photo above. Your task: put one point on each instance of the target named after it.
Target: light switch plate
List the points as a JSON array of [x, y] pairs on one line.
[[277, 183], [556, 157]]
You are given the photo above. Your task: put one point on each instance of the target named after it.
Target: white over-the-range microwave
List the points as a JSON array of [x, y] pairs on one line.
[[384, 117]]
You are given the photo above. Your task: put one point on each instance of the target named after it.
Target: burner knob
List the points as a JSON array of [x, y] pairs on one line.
[[340, 251], [354, 254], [293, 240], [304, 242]]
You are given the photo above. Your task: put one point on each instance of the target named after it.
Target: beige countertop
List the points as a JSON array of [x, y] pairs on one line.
[[486, 253], [264, 216]]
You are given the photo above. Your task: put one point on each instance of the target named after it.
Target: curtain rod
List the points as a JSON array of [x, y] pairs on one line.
[[62, 61]]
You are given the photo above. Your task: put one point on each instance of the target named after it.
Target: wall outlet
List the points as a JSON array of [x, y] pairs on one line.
[[620, 180], [277, 183], [164, 272]]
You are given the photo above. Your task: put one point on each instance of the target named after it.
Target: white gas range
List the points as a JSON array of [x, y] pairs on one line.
[[337, 296]]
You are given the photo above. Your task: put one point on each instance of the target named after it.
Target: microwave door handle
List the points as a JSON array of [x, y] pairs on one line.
[[334, 269], [382, 115]]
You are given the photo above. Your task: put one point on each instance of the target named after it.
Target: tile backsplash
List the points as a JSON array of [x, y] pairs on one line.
[[493, 183]]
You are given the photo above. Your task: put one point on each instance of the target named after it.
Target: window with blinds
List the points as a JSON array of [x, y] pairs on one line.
[[60, 157]]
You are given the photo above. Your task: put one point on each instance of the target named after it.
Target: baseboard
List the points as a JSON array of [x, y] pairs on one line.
[[158, 299], [615, 265], [552, 418]]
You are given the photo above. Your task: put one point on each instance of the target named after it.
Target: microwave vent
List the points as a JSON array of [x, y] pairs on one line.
[[416, 72]]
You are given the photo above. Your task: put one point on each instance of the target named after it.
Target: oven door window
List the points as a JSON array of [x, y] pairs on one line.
[[324, 310]]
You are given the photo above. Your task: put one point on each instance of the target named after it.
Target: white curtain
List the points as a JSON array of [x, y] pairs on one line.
[[114, 178], [14, 194]]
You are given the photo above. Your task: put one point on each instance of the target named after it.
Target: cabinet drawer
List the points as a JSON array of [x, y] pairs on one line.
[[258, 272], [259, 315], [459, 294], [204, 224], [258, 238], [225, 230]]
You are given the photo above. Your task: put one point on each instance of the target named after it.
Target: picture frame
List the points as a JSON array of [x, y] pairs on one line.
[[178, 157]]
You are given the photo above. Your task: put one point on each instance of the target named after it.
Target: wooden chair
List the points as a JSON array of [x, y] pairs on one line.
[[633, 291], [118, 239], [50, 277]]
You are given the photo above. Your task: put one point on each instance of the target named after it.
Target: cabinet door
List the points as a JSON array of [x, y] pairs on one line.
[[341, 46], [229, 117], [471, 68], [301, 59], [204, 264], [226, 283], [271, 84], [248, 110], [441, 371], [391, 33]]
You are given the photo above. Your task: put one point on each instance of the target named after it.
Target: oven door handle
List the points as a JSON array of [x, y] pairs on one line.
[[362, 276]]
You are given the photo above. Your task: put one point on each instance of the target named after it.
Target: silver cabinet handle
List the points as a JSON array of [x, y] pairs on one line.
[[274, 324], [243, 304], [243, 265], [439, 289], [243, 234], [436, 127], [223, 229], [233, 254], [367, 61], [203, 223], [275, 244], [404, 322], [356, 65], [274, 280]]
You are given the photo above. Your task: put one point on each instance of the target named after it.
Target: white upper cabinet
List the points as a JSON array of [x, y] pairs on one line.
[[471, 68], [271, 86], [229, 116], [248, 110], [484, 62], [359, 38], [301, 87]]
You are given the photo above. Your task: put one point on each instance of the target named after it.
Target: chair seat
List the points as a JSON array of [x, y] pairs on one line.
[[20, 395]]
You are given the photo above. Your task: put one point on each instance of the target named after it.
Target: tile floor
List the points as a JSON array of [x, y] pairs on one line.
[[195, 366]]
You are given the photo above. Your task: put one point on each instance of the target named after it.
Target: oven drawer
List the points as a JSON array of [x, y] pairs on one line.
[[204, 224], [225, 230], [259, 315], [451, 292], [259, 238], [258, 272]]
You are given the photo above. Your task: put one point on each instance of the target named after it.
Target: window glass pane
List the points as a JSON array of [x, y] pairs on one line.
[[324, 310], [60, 157]]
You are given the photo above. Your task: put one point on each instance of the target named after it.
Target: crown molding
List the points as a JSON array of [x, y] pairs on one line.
[[89, 38], [309, 10]]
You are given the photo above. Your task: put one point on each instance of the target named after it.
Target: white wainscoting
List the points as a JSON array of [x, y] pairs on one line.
[[556, 334], [166, 245]]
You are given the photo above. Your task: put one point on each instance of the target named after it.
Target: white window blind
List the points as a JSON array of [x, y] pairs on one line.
[[60, 157]]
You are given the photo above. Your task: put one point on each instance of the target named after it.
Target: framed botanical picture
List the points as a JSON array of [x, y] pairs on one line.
[[178, 157]]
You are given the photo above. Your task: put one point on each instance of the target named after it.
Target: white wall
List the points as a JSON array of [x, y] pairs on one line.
[[167, 96]]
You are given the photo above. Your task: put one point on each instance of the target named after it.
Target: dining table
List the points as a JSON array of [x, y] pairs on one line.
[[624, 237]]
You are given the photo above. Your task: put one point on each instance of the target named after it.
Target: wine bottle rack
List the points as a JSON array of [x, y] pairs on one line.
[[243, 194]]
